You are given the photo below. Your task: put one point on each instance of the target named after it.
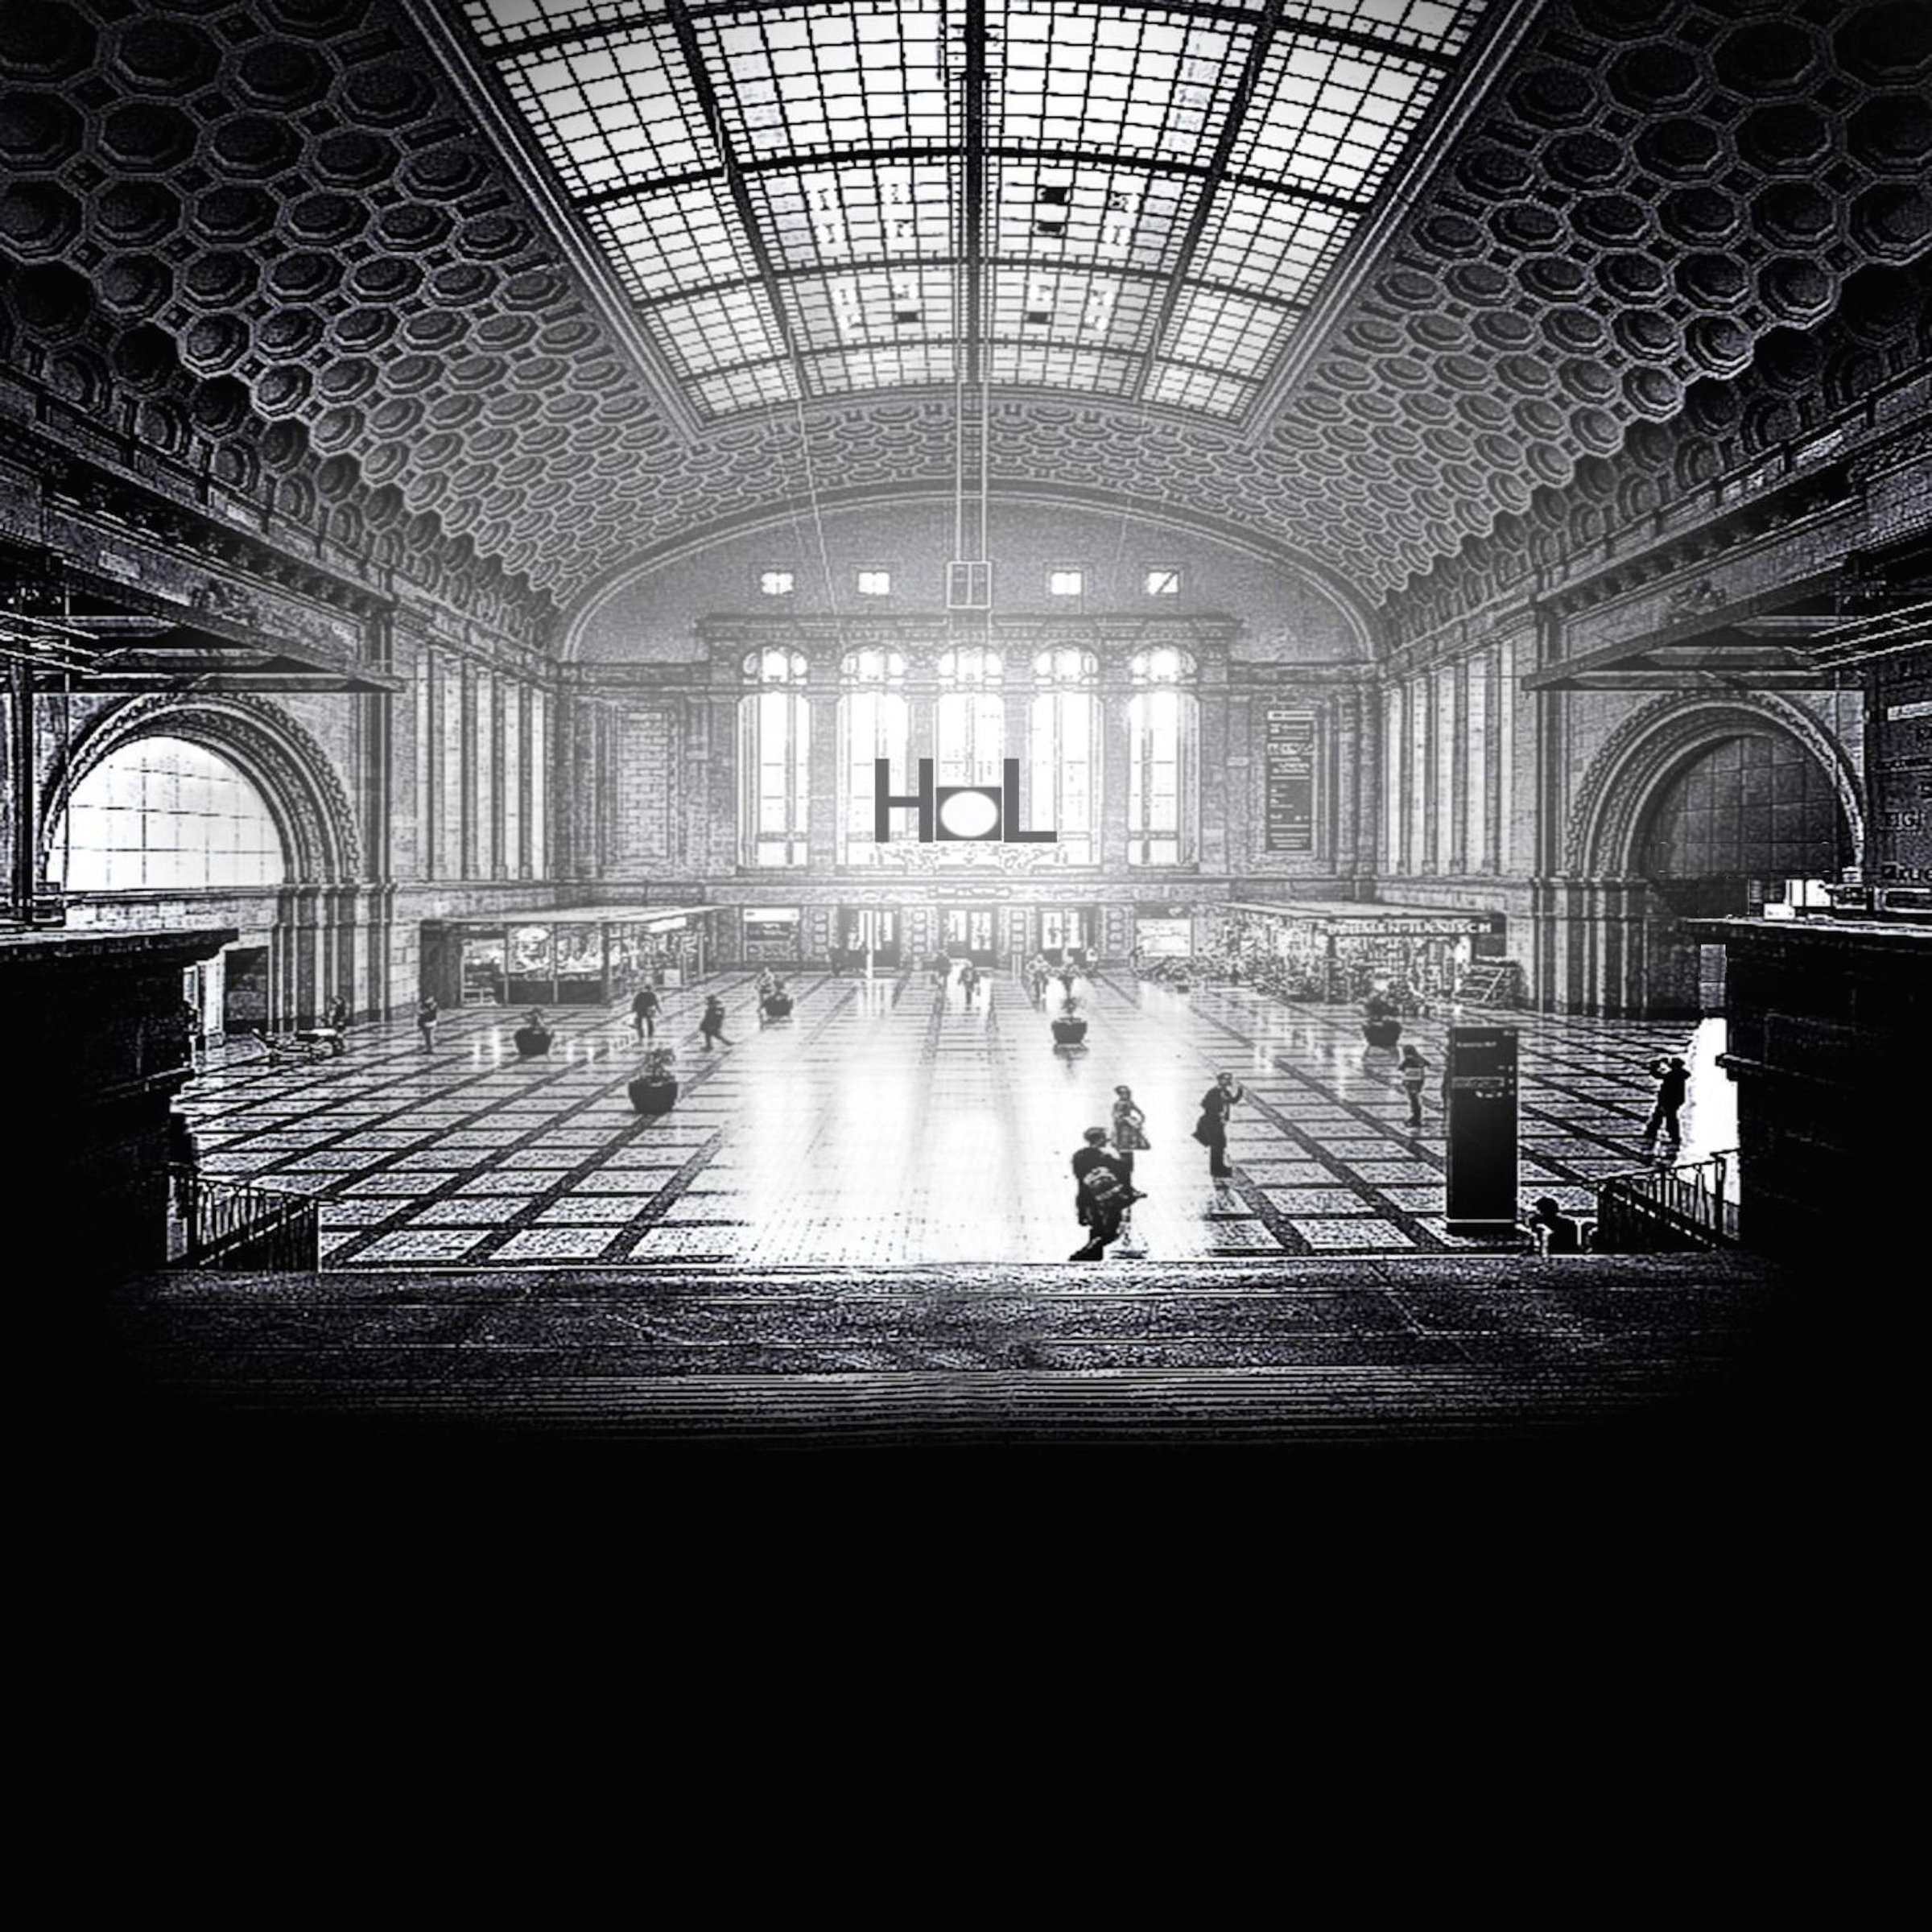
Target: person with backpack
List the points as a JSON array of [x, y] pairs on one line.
[[1101, 1195], [644, 1010]]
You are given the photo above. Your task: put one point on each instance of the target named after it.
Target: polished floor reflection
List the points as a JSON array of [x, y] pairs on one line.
[[887, 1124]]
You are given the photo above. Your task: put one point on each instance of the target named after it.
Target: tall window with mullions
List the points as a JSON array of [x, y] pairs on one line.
[[874, 723], [1162, 732], [1063, 746], [775, 760], [969, 720]]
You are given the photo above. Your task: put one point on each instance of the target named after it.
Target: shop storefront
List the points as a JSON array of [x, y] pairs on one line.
[[774, 935], [585, 956], [1344, 952]]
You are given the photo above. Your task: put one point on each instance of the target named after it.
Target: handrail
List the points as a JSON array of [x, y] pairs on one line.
[[1653, 1209], [238, 1224]]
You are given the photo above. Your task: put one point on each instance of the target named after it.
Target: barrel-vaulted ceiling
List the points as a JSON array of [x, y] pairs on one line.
[[587, 281], [1125, 200]]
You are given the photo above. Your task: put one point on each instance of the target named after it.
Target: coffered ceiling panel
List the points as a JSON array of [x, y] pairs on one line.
[[580, 281]]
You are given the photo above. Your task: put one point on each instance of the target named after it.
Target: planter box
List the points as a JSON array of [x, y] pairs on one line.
[[654, 1096]]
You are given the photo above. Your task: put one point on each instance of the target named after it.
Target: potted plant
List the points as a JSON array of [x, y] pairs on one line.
[[1069, 1028], [655, 1089], [533, 1037]]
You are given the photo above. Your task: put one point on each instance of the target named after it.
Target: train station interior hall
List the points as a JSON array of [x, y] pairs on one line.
[[654, 647]]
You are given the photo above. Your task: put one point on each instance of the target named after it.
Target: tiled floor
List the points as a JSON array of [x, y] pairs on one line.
[[885, 1125]]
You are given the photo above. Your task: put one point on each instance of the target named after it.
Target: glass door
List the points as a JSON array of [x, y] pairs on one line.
[[1062, 933], [867, 934], [968, 932]]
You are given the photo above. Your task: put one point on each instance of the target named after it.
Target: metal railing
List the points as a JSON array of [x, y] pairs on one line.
[[1662, 1210], [230, 1225]]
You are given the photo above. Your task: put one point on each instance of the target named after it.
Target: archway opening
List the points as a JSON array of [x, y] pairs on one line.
[[1738, 816]]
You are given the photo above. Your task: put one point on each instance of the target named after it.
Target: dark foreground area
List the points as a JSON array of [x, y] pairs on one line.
[[1598, 1352]]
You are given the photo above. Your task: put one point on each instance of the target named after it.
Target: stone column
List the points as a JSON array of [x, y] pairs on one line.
[[823, 776], [1115, 753]]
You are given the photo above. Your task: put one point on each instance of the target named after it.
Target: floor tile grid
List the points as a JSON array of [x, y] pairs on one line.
[[1342, 1025], [375, 1244], [321, 1079], [1301, 1234]]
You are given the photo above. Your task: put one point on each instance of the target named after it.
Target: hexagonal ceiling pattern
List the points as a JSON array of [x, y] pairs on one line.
[[308, 198]]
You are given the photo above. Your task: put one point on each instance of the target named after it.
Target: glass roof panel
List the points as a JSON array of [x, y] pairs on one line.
[[612, 111], [1331, 118], [1071, 305], [867, 211], [1274, 244], [1050, 365], [1114, 79], [510, 22], [1184, 388], [900, 364], [680, 240], [714, 332], [872, 306], [796, 211], [1222, 331], [863, 73], [1059, 211], [746, 388]]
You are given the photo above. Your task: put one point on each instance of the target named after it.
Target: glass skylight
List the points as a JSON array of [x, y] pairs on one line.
[[792, 217]]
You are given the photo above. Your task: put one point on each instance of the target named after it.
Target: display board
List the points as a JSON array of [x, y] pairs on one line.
[[1289, 793], [1479, 1094]]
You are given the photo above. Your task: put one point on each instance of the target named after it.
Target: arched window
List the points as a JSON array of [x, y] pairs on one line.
[[969, 721], [164, 814], [775, 760], [1162, 733], [874, 723], [1064, 743]]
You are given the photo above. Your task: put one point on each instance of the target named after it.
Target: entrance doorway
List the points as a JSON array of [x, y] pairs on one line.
[[1064, 932], [245, 989], [967, 931], [866, 930]]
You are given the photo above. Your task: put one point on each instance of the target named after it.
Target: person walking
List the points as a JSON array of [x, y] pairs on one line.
[[427, 1012], [1101, 1195], [711, 1026], [969, 982], [645, 1007], [1210, 1130], [1673, 1083], [1414, 1071], [1129, 1136], [336, 1018]]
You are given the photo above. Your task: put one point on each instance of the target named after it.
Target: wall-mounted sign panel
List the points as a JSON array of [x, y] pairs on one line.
[[1288, 805]]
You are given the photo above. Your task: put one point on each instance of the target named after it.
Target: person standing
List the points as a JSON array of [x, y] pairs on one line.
[[1673, 1083], [336, 1018], [644, 1010], [1101, 1195], [1217, 1102], [1414, 1071], [969, 982], [711, 1026], [427, 1012], [1128, 1136]]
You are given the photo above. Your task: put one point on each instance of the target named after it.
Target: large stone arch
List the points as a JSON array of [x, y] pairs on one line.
[[1644, 752], [294, 775]]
